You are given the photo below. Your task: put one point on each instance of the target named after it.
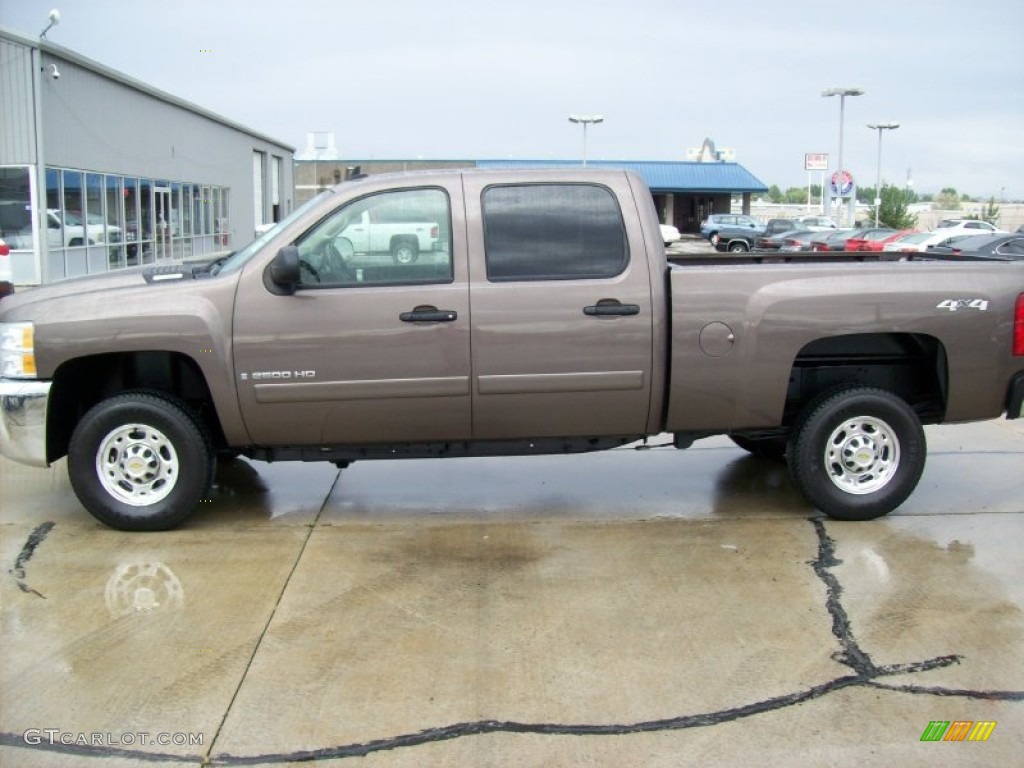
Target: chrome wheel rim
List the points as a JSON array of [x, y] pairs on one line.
[[137, 464], [862, 455], [403, 255]]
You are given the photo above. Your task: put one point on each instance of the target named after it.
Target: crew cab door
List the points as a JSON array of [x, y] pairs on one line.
[[562, 309], [365, 350]]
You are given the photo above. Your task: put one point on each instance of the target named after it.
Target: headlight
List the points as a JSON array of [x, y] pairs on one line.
[[17, 351]]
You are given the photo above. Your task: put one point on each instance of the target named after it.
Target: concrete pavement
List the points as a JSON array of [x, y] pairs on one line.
[[637, 607]]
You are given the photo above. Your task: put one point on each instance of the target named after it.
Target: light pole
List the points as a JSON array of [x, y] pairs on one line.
[[878, 175], [842, 93], [585, 120]]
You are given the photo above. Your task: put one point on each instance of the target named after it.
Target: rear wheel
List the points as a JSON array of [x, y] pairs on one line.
[[857, 453], [405, 251], [140, 461], [738, 247]]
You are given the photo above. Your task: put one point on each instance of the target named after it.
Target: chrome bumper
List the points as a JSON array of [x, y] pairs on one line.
[[23, 420]]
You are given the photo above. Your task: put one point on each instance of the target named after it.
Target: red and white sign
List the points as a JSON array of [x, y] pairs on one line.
[[842, 183], [815, 161]]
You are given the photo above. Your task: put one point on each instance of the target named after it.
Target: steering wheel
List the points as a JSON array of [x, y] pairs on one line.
[[336, 256], [307, 267]]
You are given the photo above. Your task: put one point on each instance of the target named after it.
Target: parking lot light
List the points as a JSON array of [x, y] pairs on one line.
[[585, 120], [842, 93], [878, 174]]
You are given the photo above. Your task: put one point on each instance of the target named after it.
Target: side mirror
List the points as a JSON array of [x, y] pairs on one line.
[[284, 269]]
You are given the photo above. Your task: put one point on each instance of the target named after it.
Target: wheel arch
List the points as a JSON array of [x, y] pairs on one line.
[[913, 366], [81, 383]]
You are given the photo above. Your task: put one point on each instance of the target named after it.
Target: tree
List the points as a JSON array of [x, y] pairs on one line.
[[989, 213], [893, 211], [775, 194], [796, 195], [948, 198]]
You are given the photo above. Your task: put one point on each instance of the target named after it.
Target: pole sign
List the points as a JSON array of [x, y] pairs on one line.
[[815, 161], [842, 183]]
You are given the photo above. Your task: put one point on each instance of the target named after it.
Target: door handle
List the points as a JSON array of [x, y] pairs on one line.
[[429, 315], [611, 308]]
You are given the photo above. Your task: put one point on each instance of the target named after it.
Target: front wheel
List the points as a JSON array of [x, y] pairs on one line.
[[140, 461], [857, 453]]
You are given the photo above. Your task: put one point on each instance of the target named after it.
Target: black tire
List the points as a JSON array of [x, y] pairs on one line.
[[713, 238], [857, 453], [773, 447], [738, 247], [140, 461], [405, 250]]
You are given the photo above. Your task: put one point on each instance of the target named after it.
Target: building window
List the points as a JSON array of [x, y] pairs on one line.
[[276, 182], [16, 208], [16, 221], [553, 232]]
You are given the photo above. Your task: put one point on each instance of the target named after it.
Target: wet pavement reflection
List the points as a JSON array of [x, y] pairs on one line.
[[632, 607]]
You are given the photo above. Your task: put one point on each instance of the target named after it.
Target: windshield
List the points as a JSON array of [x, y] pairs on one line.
[[239, 259]]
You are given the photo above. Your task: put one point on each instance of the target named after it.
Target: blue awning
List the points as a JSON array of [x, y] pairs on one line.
[[660, 176]]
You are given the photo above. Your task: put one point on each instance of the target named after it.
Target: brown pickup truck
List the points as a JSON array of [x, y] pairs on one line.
[[544, 319]]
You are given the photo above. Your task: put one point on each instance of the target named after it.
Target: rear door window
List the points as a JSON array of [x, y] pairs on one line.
[[553, 232]]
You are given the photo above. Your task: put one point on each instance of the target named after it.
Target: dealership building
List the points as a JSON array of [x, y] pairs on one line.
[[99, 171]]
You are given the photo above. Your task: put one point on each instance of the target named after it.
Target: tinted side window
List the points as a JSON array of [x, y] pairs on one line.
[[1015, 247], [391, 238], [553, 232]]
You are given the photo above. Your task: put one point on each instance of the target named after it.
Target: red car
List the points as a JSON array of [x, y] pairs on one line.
[[871, 239]]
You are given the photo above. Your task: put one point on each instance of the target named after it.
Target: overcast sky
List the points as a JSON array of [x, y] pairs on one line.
[[458, 79]]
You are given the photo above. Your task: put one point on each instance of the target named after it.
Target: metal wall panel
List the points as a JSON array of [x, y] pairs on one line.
[[17, 131], [96, 123]]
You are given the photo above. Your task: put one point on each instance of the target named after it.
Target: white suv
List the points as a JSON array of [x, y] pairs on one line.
[[950, 227]]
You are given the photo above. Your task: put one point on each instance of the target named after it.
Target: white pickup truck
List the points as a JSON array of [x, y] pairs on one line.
[[373, 231]]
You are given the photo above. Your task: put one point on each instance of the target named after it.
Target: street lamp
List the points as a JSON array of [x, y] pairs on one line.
[[842, 93], [878, 175], [585, 120]]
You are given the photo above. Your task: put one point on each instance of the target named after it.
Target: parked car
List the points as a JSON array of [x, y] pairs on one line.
[[552, 325], [741, 239], [967, 227], [877, 243], [860, 241], [69, 230], [776, 241], [1002, 246], [797, 240], [816, 223], [775, 226], [908, 242], [947, 244], [670, 234], [711, 226], [834, 240]]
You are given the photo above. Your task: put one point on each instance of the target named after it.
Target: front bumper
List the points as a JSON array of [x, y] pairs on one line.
[[23, 407]]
